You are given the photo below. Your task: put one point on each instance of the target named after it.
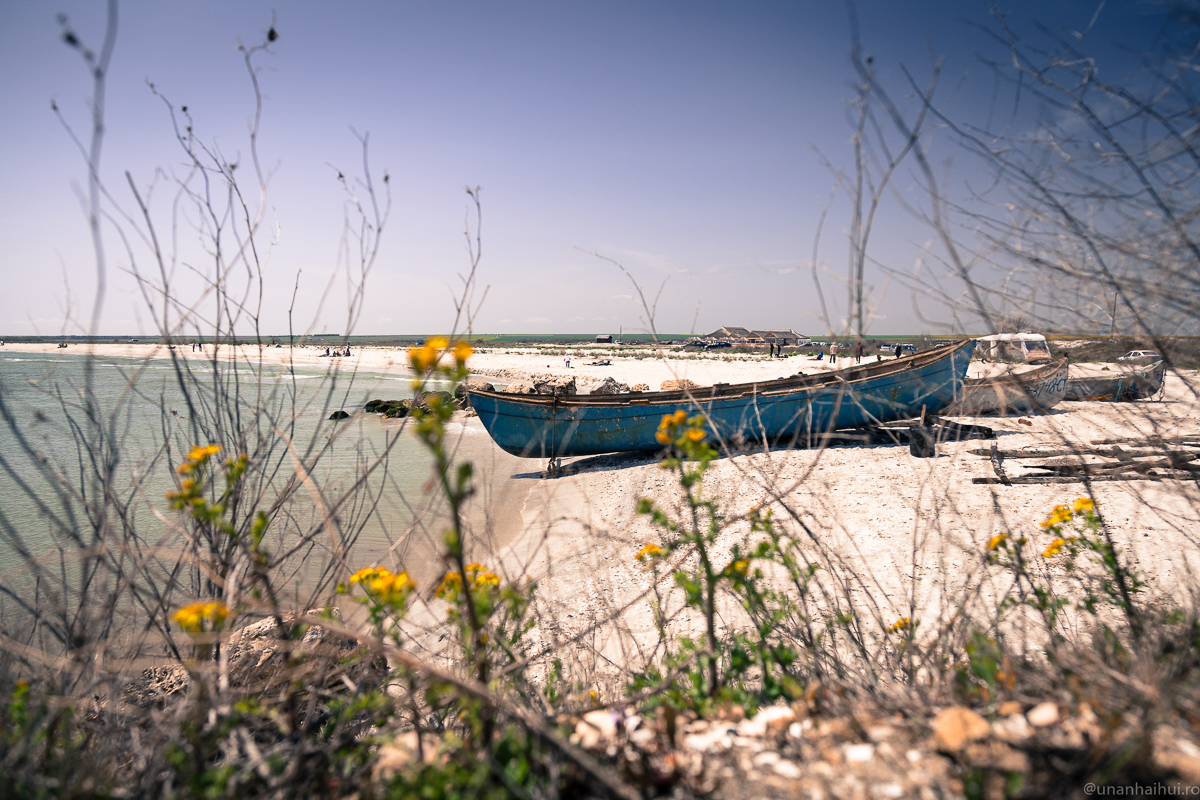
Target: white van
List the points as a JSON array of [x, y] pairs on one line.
[[1027, 347]]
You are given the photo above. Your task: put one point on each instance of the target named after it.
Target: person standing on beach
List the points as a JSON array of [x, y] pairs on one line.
[[858, 350], [833, 348], [898, 351]]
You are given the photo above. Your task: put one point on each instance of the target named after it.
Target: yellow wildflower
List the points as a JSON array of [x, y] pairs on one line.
[[423, 358], [901, 625], [695, 434], [450, 586], [485, 580], [437, 342], [392, 589], [996, 541], [651, 551], [738, 567], [663, 437], [1054, 547], [199, 453], [479, 576], [193, 616], [1058, 515], [678, 418], [462, 351], [1084, 505], [368, 573]]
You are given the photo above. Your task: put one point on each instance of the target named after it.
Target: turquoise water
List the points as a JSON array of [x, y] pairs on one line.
[[50, 453]]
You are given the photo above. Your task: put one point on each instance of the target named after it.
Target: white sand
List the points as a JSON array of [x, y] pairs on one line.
[[913, 529]]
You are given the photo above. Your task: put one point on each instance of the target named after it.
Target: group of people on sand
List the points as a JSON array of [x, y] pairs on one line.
[[336, 353], [833, 351], [858, 353]]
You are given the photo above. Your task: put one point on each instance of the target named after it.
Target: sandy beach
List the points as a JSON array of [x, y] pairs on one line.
[[916, 527]]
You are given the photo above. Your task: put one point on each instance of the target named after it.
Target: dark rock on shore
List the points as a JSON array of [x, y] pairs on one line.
[[559, 385], [460, 392], [426, 399], [258, 656], [339, 414], [611, 386]]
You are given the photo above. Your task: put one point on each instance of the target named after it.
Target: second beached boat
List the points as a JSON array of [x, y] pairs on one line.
[[1030, 392], [1136, 384], [548, 426]]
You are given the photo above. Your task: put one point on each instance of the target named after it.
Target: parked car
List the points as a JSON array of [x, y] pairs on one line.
[[717, 345], [1141, 355]]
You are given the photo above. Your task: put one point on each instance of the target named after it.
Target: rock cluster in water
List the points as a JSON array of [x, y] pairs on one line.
[[402, 408]]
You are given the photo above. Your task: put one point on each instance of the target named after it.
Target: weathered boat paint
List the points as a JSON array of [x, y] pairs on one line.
[[542, 426], [1022, 393]]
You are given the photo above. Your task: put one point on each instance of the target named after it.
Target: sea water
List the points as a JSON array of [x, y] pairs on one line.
[[46, 463]]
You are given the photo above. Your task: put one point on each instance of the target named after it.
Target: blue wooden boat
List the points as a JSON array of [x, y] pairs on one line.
[[546, 426]]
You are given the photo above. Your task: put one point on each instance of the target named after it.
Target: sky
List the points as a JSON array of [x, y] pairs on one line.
[[693, 144]]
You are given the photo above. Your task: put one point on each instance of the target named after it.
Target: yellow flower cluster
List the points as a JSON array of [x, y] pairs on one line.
[[428, 356], [738, 567], [1058, 515], [650, 551], [901, 625], [192, 617], [197, 456], [996, 541], [479, 576], [384, 586], [1054, 547], [1062, 513], [669, 429]]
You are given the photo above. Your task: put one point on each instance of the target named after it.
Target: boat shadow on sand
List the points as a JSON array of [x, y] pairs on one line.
[[922, 441]]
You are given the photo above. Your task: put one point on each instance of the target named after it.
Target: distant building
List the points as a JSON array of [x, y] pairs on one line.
[[731, 334], [747, 336], [783, 337], [604, 338]]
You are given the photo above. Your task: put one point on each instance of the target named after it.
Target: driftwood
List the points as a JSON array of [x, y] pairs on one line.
[[1102, 452], [1067, 464], [1031, 479], [1191, 438]]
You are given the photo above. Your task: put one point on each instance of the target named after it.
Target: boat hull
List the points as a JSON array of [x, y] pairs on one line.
[[1136, 385], [1031, 392], [541, 426]]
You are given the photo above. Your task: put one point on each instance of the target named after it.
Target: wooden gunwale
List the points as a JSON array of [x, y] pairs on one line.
[[780, 386]]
